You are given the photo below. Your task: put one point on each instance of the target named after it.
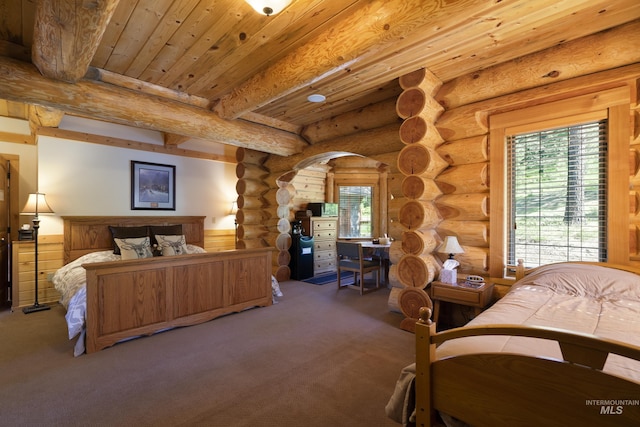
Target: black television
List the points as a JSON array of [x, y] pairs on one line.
[[323, 209]]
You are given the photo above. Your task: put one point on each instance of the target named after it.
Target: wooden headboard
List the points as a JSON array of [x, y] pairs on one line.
[[84, 234]]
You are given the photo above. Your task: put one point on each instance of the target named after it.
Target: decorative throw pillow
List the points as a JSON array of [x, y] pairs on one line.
[[126, 233], [164, 230], [172, 245], [135, 248]]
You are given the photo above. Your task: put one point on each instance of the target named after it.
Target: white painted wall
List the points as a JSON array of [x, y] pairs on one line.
[[92, 179]]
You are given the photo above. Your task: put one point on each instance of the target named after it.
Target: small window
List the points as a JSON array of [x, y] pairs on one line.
[[557, 195], [355, 213]]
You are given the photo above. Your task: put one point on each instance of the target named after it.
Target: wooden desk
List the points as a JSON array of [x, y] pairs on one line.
[[381, 252]]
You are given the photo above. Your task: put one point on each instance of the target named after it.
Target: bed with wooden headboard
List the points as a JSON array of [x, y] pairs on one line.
[[136, 297]]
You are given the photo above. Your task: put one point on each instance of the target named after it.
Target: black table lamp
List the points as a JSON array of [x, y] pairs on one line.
[[36, 204]]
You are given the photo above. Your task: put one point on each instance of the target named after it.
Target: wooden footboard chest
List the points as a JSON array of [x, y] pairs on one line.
[[139, 297]]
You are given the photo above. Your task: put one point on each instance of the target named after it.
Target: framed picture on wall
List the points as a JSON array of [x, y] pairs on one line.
[[153, 186]]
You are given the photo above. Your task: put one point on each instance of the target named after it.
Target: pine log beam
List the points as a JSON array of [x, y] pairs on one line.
[[43, 117], [396, 229], [420, 188], [472, 120], [21, 82], [423, 79], [131, 145], [249, 171], [418, 130], [370, 143], [394, 183], [417, 271], [126, 82], [173, 140], [418, 159], [384, 27], [465, 151], [66, 36], [388, 159], [471, 178], [420, 242], [602, 51], [469, 233], [366, 118], [464, 207], [417, 215]]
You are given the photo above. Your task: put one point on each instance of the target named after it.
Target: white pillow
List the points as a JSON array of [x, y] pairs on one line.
[[135, 248], [172, 245]]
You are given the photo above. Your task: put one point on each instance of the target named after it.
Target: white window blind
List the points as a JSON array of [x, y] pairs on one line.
[[355, 215], [557, 189]]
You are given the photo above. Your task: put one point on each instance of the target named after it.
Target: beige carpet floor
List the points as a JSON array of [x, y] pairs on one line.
[[316, 358]]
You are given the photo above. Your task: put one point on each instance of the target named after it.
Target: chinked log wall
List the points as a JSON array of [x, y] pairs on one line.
[[452, 188], [608, 59], [376, 137], [445, 189], [414, 216], [459, 137], [263, 210]]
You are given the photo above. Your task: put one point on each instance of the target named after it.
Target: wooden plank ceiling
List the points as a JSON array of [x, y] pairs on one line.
[[217, 71]]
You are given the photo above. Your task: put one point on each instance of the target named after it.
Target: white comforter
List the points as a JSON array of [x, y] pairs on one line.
[[578, 297], [71, 281]]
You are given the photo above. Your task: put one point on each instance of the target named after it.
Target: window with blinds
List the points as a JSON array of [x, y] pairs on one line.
[[355, 213], [557, 194]]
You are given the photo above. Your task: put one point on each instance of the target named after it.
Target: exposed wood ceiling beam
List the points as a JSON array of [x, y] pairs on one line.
[[22, 82], [43, 117], [67, 34], [380, 25], [173, 140], [100, 75], [133, 145]]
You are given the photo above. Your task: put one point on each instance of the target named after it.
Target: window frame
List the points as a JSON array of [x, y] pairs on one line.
[[371, 210], [614, 105], [364, 180]]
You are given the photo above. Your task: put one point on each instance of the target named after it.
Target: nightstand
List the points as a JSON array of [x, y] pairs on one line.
[[462, 294]]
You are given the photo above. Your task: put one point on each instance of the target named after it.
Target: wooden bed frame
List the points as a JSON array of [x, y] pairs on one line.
[[131, 298], [495, 389]]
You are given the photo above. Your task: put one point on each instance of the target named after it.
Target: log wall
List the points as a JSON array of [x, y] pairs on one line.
[[264, 213], [414, 216], [464, 126], [438, 181], [310, 178]]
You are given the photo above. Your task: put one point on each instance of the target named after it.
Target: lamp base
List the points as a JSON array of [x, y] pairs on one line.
[[34, 308]]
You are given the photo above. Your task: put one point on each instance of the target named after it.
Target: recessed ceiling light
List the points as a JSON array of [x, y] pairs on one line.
[[270, 7], [316, 97]]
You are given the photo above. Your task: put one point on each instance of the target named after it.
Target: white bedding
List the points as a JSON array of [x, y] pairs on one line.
[[579, 297]]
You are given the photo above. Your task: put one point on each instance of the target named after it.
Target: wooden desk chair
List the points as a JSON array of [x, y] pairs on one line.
[[350, 258]]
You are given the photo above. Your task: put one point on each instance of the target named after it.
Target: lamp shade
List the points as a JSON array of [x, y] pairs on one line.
[[450, 245], [36, 204], [234, 208], [268, 7]]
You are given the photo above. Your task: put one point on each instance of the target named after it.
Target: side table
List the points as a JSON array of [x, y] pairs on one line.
[[460, 293]]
